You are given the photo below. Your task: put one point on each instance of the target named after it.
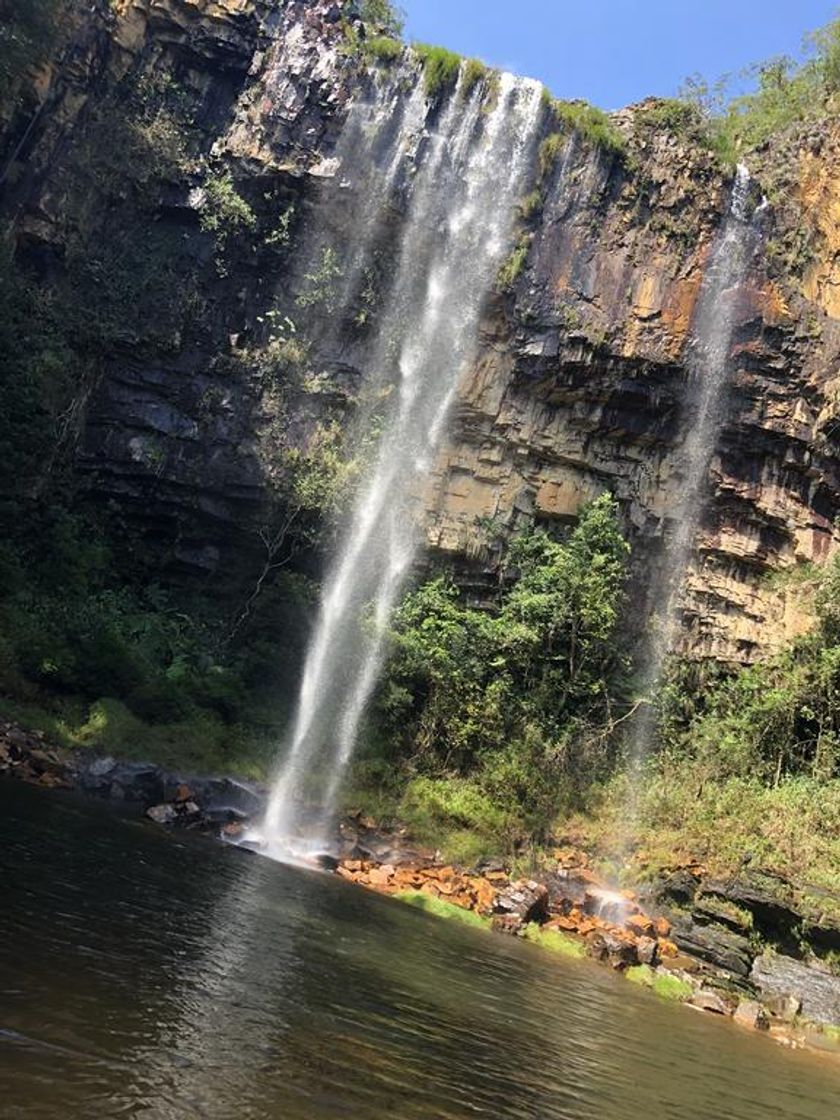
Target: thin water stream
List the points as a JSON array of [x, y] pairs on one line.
[[161, 977]]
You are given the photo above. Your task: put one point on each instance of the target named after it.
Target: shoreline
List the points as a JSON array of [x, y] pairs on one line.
[[683, 938]]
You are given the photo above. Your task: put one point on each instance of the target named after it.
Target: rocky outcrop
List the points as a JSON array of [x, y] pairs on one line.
[[580, 383]]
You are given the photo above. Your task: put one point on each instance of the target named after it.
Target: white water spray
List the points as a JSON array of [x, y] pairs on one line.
[[473, 172], [708, 367]]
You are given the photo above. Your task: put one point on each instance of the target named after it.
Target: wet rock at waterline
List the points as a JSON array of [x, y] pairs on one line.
[[811, 988]]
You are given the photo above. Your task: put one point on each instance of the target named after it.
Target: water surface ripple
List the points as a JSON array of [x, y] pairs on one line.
[[162, 977]]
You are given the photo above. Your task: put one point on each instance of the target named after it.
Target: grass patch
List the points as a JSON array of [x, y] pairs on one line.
[[550, 149], [440, 68], [671, 987], [590, 123], [475, 71], [455, 815], [514, 266], [202, 743], [383, 50], [680, 118], [441, 909], [555, 941], [530, 206], [662, 984]]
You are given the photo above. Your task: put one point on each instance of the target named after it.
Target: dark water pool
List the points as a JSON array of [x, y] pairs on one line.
[[156, 976]]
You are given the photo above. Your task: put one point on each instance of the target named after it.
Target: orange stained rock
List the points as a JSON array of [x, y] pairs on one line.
[[641, 925], [662, 927], [667, 948]]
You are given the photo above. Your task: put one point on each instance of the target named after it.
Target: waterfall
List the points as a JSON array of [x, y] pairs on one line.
[[470, 173], [708, 371]]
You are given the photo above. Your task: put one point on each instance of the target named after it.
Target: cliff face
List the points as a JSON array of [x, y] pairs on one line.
[[157, 118]]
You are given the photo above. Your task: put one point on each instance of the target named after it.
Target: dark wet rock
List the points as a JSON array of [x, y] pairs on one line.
[[678, 888], [823, 934], [811, 986], [238, 799], [715, 945], [527, 901], [565, 889], [137, 782], [710, 910], [326, 861], [768, 899]]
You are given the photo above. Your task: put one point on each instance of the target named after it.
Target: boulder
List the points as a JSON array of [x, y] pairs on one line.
[[647, 950], [507, 923], [749, 1013], [709, 1000], [786, 984], [612, 948], [528, 901], [162, 814]]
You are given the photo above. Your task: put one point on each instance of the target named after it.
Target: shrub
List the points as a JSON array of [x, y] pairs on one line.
[[679, 117], [787, 93], [495, 711], [592, 124], [224, 211], [383, 15], [383, 49], [321, 282], [550, 149], [514, 266], [440, 68]]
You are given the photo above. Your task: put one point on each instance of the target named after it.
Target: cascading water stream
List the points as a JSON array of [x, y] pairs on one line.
[[709, 364], [472, 173]]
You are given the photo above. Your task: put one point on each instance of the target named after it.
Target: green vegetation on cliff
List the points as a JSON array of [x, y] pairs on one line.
[[440, 68], [787, 93], [496, 720]]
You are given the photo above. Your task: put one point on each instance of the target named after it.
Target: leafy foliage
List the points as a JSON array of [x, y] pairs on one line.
[[321, 281], [507, 700], [225, 213], [384, 16], [787, 93]]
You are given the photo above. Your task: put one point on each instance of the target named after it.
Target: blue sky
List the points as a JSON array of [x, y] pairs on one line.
[[613, 52]]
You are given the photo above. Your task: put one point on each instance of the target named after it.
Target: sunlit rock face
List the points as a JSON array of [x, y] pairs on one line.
[[581, 375]]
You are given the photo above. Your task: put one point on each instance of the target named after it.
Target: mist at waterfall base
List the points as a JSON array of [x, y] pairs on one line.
[[470, 166], [709, 366]]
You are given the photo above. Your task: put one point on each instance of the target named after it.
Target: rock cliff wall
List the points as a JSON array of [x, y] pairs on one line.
[[156, 119]]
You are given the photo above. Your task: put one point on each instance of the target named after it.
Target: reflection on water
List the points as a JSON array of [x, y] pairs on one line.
[[161, 977]]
